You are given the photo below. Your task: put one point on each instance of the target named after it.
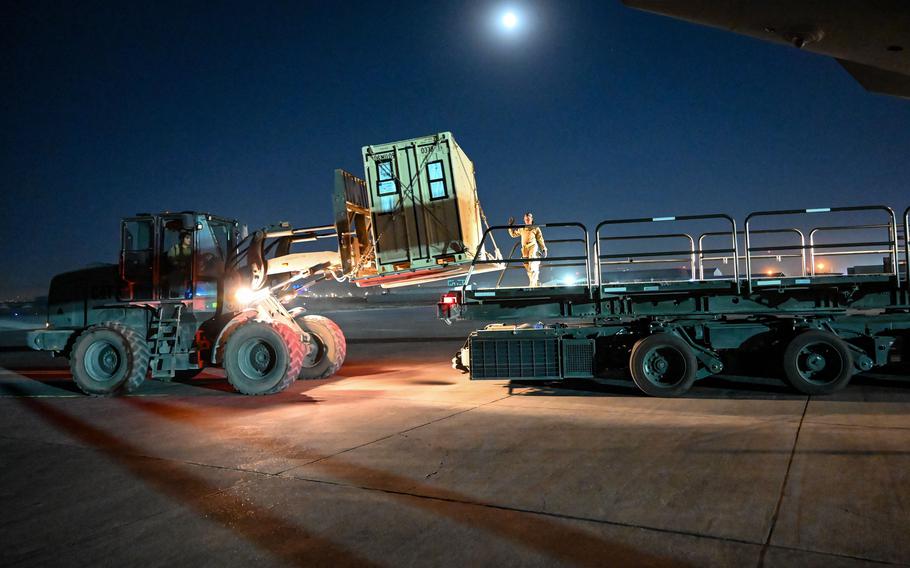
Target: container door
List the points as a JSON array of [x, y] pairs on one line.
[[439, 222], [390, 213]]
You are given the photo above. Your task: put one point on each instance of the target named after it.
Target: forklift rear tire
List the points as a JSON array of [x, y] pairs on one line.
[[328, 350], [262, 358], [818, 362], [109, 359], [662, 364]]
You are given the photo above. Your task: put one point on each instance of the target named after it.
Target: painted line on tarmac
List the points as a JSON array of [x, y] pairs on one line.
[[783, 487]]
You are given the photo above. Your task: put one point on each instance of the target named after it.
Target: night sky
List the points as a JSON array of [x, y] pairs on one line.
[[591, 110]]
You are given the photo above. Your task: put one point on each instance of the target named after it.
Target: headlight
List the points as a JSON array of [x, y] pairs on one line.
[[245, 296]]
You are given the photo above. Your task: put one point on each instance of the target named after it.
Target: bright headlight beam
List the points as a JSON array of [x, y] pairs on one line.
[[243, 295]]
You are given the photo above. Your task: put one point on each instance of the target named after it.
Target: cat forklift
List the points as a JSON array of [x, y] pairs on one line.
[[190, 291]]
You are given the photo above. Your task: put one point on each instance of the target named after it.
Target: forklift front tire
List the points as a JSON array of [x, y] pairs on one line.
[[262, 358]]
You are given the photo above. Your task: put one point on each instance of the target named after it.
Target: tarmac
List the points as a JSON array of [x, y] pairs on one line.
[[400, 460]]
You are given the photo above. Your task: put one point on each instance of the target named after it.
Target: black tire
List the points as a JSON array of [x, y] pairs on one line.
[[818, 362], [327, 354], [662, 364], [109, 359], [262, 358]]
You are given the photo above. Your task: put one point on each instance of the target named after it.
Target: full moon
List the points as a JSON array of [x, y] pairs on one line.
[[509, 20]]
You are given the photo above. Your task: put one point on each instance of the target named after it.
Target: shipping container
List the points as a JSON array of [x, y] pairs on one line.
[[414, 216]]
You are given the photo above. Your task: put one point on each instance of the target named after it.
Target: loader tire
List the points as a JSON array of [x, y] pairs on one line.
[[663, 365], [818, 362], [109, 359], [328, 348], [262, 358]]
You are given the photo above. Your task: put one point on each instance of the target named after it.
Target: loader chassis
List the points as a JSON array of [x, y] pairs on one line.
[[817, 330]]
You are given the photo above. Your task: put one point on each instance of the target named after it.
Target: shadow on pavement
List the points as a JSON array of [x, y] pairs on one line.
[[259, 526], [525, 528]]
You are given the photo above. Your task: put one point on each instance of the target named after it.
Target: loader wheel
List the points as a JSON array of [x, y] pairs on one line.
[[328, 349], [109, 359], [818, 362], [662, 364], [262, 358]]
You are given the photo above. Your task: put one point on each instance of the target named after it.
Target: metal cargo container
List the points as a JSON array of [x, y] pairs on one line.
[[414, 217]]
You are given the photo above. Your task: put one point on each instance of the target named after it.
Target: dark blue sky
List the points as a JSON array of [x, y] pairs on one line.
[[595, 111]]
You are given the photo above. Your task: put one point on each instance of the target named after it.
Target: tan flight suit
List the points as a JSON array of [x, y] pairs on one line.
[[179, 276], [532, 246]]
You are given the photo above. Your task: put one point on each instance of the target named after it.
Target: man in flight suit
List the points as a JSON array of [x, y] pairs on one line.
[[532, 246], [179, 258]]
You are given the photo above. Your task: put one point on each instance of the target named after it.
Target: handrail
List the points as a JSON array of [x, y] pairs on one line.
[[734, 250], [631, 255], [888, 210], [697, 253], [702, 258], [813, 246], [502, 273], [907, 245], [549, 259]]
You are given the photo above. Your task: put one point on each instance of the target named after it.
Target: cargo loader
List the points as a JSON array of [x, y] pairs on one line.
[[724, 299]]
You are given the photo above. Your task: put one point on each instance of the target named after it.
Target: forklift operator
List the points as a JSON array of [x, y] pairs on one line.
[[179, 258], [532, 246]]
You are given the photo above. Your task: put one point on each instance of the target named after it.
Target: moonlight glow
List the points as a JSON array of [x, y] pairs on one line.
[[509, 20]]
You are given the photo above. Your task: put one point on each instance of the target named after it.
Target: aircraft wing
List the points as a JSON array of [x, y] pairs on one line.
[[871, 40]]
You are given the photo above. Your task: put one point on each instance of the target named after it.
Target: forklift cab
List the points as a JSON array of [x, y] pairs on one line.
[[175, 256]]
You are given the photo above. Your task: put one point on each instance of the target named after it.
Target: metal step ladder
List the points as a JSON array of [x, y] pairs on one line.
[[166, 338]]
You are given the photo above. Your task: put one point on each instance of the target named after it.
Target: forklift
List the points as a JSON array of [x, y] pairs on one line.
[[179, 301]]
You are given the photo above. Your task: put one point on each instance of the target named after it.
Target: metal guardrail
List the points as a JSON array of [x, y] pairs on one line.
[[693, 253], [581, 260], [801, 256], [907, 244], [816, 230], [892, 242], [696, 255], [640, 257]]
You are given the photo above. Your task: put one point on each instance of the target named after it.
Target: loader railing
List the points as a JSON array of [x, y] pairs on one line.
[[581, 260], [689, 255], [907, 245], [844, 248], [741, 257], [812, 245]]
